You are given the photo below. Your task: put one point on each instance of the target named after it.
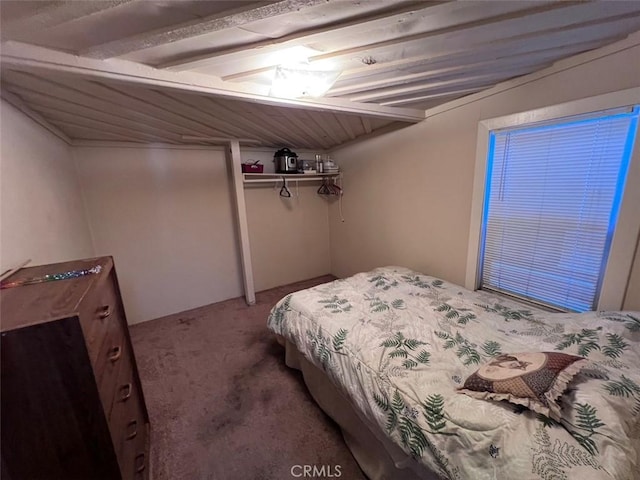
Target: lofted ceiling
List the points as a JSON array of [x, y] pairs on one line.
[[189, 72]]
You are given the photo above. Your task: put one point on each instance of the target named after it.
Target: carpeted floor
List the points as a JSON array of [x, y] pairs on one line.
[[222, 403]]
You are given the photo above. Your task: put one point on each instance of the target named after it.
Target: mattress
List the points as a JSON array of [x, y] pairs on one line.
[[378, 457], [398, 345]]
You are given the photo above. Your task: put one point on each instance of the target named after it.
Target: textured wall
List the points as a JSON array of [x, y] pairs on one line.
[[42, 213], [289, 236], [167, 217]]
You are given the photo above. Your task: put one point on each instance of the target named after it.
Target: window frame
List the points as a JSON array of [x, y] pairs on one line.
[[625, 237]]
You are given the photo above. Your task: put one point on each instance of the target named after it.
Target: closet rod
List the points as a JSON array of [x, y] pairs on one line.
[[279, 179]]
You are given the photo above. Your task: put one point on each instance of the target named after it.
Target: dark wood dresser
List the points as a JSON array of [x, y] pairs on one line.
[[72, 403]]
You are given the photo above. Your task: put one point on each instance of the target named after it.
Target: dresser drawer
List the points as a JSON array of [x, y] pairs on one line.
[[127, 422], [129, 433], [96, 310], [137, 466], [114, 356], [121, 388]]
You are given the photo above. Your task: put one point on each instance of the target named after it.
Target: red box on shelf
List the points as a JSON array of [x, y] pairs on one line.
[[252, 168]]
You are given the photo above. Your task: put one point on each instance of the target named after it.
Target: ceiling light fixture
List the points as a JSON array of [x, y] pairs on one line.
[[301, 80]]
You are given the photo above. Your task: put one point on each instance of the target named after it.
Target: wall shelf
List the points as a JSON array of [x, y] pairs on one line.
[[296, 177]]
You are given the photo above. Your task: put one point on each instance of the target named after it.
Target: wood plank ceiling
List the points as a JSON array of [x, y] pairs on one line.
[[197, 71]]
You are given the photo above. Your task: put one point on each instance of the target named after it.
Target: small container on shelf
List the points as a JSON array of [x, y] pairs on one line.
[[254, 167], [306, 167], [319, 164], [329, 166]]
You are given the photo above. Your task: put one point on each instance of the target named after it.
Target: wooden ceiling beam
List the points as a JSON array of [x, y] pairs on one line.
[[18, 103], [107, 119], [535, 57], [203, 107], [356, 125], [396, 13], [246, 13], [473, 53], [291, 122], [284, 138], [24, 56], [83, 137], [301, 123], [366, 124], [105, 125], [466, 69], [95, 134], [254, 127], [546, 18], [118, 115], [324, 125], [278, 122], [195, 120], [49, 15], [482, 79], [445, 94], [346, 126], [470, 19], [186, 108], [103, 98]]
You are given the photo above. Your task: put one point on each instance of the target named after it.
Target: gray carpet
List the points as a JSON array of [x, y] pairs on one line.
[[222, 403]]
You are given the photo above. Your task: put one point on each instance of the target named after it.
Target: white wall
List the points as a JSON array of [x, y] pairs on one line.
[[166, 215], [289, 236], [408, 193], [41, 214]]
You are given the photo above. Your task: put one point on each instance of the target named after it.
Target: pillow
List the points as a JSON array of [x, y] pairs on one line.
[[532, 379]]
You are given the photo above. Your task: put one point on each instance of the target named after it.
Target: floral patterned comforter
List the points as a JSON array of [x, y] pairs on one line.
[[400, 343]]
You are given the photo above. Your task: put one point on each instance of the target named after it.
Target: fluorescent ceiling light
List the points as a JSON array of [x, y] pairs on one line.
[[301, 80]]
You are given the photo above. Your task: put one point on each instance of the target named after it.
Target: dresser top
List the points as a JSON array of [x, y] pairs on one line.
[[33, 304]]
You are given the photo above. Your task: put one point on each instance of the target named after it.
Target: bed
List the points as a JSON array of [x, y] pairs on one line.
[[385, 353]]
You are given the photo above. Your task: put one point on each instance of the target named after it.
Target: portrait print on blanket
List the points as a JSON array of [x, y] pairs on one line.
[[532, 379]]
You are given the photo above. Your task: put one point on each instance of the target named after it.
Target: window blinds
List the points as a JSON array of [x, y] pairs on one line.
[[552, 198]]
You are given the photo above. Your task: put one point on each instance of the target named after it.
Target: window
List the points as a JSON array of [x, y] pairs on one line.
[[552, 194]]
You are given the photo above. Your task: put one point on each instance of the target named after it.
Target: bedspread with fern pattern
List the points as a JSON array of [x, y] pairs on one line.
[[399, 344]]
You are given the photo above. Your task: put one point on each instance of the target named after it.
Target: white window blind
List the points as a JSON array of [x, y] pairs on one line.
[[551, 202]]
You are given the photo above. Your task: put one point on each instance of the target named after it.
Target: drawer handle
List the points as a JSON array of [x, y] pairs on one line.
[[142, 465], [105, 311], [128, 389], [132, 424], [116, 353]]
